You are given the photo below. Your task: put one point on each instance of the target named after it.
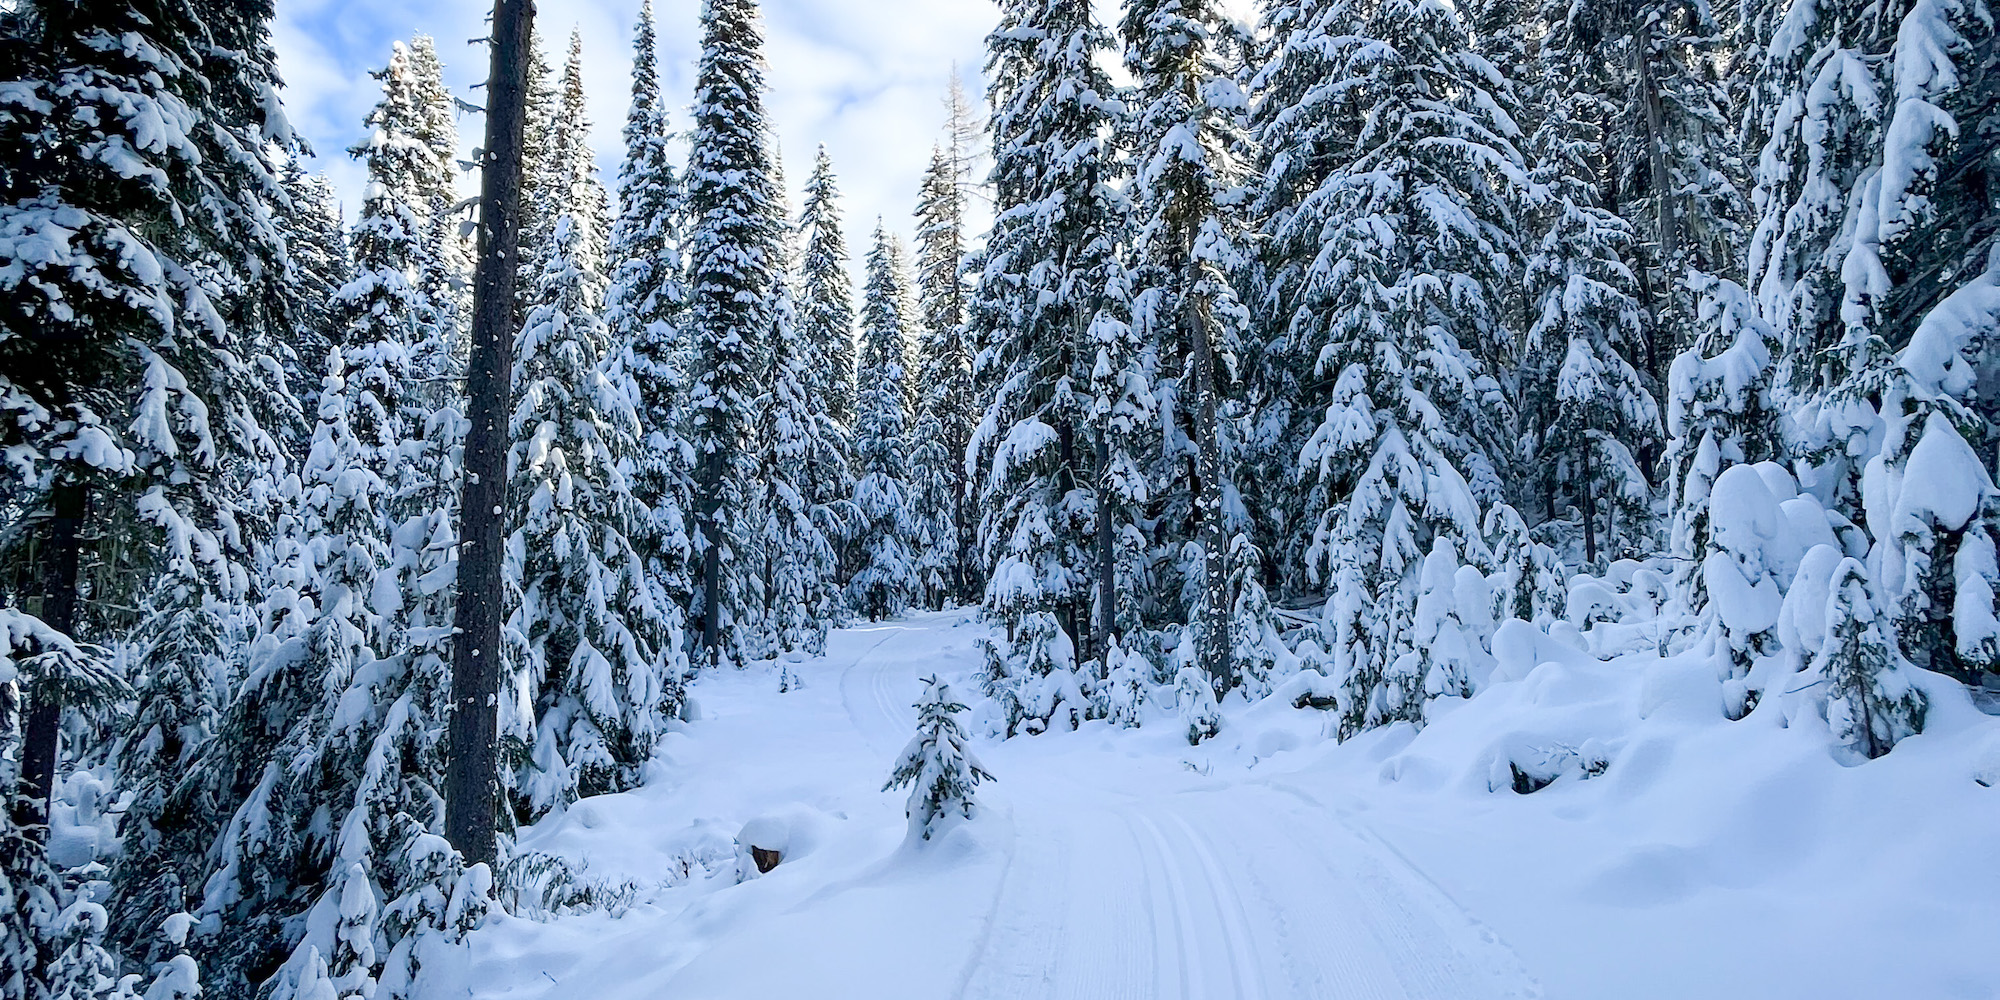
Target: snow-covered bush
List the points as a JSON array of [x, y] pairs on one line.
[[1194, 698], [1036, 680], [1127, 679], [1454, 625], [937, 766]]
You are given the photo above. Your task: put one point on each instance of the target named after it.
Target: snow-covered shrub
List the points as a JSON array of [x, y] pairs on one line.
[[937, 766], [1257, 655], [1750, 558], [1871, 702], [541, 886], [1524, 576], [1933, 520], [1454, 625], [1127, 679], [1194, 699], [1035, 680], [1530, 769]]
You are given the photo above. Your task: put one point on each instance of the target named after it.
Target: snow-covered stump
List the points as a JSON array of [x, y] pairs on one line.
[[939, 769]]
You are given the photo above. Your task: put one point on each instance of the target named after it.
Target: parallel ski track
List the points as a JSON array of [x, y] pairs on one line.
[[866, 692], [1142, 901], [1108, 896]]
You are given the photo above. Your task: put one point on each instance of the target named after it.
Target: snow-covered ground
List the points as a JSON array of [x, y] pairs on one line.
[[1708, 859]]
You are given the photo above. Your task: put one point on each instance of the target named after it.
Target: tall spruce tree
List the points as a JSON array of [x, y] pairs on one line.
[[539, 180], [320, 626], [1393, 303], [320, 265], [596, 650], [1872, 259], [826, 293], [942, 421], [733, 263], [1190, 144], [825, 326], [1589, 422], [885, 579], [1051, 281], [644, 309], [139, 196], [801, 586]]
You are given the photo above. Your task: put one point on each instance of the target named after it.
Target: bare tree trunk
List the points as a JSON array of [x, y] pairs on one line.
[[1589, 487], [68, 500], [1666, 201], [711, 558], [1075, 615], [472, 783], [1107, 572], [1208, 499], [961, 539]]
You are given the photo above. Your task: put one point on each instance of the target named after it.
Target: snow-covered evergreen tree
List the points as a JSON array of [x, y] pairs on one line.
[[1588, 418], [1400, 312], [643, 310], [316, 243], [885, 578], [597, 648], [826, 293], [943, 418], [801, 584], [539, 180], [1189, 140], [1649, 75], [1871, 261], [320, 625], [1050, 283], [825, 308], [733, 264], [388, 317], [937, 766], [140, 265], [1871, 702], [574, 185]]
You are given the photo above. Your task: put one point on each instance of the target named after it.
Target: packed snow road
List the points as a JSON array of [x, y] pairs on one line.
[[1105, 865], [1115, 888]]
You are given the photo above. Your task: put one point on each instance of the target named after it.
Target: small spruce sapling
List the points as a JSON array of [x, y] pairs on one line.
[[941, 772], [1872, 702], [1194, 697]]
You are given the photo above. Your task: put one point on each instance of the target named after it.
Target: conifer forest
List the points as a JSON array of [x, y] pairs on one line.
[[1388, 499]]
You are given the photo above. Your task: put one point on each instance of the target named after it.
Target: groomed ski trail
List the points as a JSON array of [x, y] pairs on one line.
[[1100, 868], [1174, 897]]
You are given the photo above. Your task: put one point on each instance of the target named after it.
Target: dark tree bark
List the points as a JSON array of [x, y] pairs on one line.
[[711, 558], [472, 783], [1107, 570], [1208, 496], [68, 500]]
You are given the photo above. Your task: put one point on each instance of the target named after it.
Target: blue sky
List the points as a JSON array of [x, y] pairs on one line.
[[865, 77]]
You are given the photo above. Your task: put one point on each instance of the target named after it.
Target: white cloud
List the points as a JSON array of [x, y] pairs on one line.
[[865, 77]]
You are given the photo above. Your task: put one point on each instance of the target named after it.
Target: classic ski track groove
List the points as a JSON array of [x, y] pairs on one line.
[[877, 684], [1229, 908], [1250, 891]]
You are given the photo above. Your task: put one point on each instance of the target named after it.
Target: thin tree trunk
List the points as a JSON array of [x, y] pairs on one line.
[[1073, 615], [961, 538], [1107, 574], [1666, 202], [1208, 501], [711, 558], [472, 785], [68, 500], [1589, 505]]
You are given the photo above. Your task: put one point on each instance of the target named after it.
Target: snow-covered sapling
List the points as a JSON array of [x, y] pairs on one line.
[[941, 772], [1194, 698]]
